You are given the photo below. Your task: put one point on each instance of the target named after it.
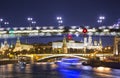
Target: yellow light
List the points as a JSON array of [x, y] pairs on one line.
[[109, 47]]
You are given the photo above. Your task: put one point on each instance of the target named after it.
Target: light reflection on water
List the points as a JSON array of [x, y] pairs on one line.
[[51, 71]]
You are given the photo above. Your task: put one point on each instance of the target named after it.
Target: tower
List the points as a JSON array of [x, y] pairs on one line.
[[18, 44], [116, 45], [64, 47], [85, 44], [100, 44], [85, 41], [6, 46], [90, 40]]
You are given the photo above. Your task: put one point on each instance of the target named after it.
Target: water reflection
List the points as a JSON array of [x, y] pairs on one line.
[[102, 69], [69, 73], [51, 71]]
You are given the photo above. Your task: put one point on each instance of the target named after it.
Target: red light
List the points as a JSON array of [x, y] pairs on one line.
[[84, 30], [69, 37]]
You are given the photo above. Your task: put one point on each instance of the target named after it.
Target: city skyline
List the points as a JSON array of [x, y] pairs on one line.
[[73, 12]]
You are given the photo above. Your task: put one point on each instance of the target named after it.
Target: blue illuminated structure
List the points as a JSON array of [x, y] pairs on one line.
[[70, 73], [70, 63]]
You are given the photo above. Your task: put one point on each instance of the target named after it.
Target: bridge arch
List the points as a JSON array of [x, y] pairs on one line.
[[61, 55]]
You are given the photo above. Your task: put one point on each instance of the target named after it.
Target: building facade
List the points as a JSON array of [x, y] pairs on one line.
[[70, 45]]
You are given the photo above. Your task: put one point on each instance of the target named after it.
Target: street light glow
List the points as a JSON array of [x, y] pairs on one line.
[[33, 22], [99, 21], [101, 17], [29, 19], [1, 20], [59, 18], [6, 23]]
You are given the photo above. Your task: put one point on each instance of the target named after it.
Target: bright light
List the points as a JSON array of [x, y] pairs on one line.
[[51, 27], [99, 21], [15, 28], [29, 19], [1, 20], [22, 28], [44, 27], [6, 23], [101, 17], [106, 30], [60, 21], [33, 22], [73, 27], [61, 27], [59, 18], [37, 28], [103, 69]]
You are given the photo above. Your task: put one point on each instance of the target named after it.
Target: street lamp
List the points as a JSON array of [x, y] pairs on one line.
[[6, 23], [33, 22], [59, 19], [1, 20], [100, 19], [30, 20]]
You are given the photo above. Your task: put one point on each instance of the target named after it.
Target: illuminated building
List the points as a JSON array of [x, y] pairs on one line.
[[116, 45], [4, 46], [71, 44], [20, 47]]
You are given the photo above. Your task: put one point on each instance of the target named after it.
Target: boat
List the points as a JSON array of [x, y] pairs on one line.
[[22, 63], [70, 63]]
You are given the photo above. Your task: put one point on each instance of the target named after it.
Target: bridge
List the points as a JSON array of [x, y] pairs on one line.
[[51, 31], [40, 57]]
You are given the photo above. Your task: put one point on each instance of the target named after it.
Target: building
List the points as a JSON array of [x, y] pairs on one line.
[[88, 43], [4, 46], [20, 47]]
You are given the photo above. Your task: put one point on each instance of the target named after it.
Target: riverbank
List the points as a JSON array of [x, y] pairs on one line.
[[8, 61], [115, 65]]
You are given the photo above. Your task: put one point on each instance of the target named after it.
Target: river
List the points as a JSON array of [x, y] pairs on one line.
[[43, 70]]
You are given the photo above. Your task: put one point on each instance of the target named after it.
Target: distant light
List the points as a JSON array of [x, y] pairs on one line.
[[73, 27], [29, 19], [15, 28], [61, 27], [51, 27], [1, 20], [37, 28], [84, 30], [99, 21], [22, 28], [69, 36], [77, 34], [33, 22], [101, 17], [60, 21], [44, 27], [59, 18], [6, 23]]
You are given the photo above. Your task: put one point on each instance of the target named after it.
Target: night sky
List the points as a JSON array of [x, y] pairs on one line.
[[73, 12]]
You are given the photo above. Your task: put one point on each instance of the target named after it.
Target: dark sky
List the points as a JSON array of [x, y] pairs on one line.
[[74, 12]]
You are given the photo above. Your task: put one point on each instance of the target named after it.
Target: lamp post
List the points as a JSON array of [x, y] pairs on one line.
[[34, 22], [1, 20], [6, 23], [59, 20], [100, 19], [30, 20]]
